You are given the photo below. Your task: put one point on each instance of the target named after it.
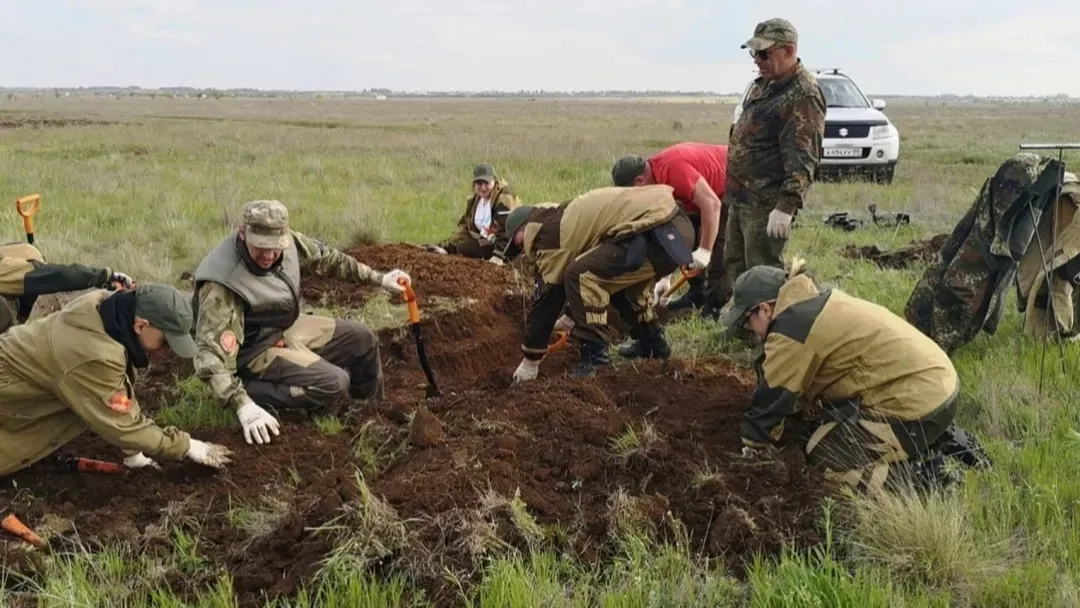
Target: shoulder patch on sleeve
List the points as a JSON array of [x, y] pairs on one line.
[[120, 402], [228, 341]]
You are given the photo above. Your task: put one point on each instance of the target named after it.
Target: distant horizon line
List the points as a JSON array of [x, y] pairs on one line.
[[375, 91]]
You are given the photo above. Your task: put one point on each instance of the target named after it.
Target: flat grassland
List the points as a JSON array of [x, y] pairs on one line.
[[149, 186]]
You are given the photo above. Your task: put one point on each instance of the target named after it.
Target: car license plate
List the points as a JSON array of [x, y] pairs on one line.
[[843, 152]]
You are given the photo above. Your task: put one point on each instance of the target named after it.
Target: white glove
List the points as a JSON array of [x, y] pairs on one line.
[[701, 258], [119, 277], [565, 323], [210, 454], [138, 461], [436, 249], [779, 224], [526, 370], [257, 423], [660, 289], [496, 260], [390, 280]]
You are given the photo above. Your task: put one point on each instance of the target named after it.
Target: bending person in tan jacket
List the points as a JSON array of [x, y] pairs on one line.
[[888, 392], [73, 370]]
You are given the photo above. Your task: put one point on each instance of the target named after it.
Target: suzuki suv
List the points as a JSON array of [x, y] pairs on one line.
[[859, 139]]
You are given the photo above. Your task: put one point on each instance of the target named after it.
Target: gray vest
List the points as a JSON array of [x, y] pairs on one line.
[[271, 302]]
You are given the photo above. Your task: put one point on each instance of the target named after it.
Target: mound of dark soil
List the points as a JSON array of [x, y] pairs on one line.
[[450, 276], [644, 446], [917, 254]]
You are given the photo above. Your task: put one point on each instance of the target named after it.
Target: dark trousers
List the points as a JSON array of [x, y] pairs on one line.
[[319, 361]]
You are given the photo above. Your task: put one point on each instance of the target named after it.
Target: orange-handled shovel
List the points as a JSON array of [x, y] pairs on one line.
[[89, 465], [683, 277], [561, 337], [414, 319], [13, 526], [27, 207]]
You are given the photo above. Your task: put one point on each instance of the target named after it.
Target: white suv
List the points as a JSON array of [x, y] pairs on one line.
[[859, 139]]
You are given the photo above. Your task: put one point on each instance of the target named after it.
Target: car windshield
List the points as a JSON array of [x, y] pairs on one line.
[[840, 93]]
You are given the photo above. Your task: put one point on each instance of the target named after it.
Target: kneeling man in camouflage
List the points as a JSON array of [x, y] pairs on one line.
[[255, 347]]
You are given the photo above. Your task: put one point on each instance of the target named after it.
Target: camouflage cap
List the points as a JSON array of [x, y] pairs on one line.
[[626, 169], [484, 172], [166, 309], [770, 32], [757, 285], [266, 224]]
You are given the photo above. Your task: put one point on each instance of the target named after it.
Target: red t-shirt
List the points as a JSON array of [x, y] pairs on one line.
[[681, 165]]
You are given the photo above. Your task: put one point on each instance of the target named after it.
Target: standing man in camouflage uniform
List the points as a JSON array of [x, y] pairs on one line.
[[25, 275], [72, 371], [774, 150], [255, 348]]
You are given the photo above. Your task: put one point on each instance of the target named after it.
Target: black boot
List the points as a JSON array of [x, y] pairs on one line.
[[592, 355], [649, 343], [694, 297]]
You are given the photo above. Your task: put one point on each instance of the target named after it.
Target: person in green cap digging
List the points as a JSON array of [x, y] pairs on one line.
[[605, 247], [73, 370], [888, 392]]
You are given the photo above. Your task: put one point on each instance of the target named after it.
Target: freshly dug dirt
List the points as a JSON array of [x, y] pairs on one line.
[[451, 276], [918, 253], [485, 466]]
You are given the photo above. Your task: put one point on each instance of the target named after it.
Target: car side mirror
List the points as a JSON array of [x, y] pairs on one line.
[[879, 104]]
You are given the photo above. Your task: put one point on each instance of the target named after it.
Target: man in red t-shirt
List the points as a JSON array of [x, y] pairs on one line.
[[698, 173]]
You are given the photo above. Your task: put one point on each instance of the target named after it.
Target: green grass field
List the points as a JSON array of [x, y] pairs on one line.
[[150, 193]]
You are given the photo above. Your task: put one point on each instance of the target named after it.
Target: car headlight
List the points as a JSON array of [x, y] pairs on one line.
[[883, 131]]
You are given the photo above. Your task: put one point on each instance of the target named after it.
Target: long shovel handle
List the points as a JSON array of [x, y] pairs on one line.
[[12, 525], [410, 300], [684, 275], [27, 207]]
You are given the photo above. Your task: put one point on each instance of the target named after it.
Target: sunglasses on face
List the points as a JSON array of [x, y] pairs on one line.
[[764, 54]]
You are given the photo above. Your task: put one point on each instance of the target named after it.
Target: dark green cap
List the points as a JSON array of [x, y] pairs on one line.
[[626, 169], [483, 171], [770, 32], [166, 309], [757, 285], [514, 221]]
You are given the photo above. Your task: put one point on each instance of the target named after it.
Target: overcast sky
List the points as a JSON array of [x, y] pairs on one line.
[[901, 47]]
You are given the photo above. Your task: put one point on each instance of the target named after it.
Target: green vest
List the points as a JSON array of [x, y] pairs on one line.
[[271, 300]]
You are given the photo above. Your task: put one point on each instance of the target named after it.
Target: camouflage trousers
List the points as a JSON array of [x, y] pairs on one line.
[[875, 453], [747, 242], [318, 361]]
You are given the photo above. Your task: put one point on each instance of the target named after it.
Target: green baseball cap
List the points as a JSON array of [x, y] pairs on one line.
[[626, 169], [770, 32], [757, 285], [483, 171], [166, 309], [514, 221]]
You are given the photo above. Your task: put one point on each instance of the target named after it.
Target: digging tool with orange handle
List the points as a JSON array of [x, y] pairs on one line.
[[414, 320], [683, 277], [559, 343], [89, 465], [27, 207], [13, 526]]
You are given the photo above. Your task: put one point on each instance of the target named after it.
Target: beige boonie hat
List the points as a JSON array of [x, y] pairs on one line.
[[770, 32], [266, 224]]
